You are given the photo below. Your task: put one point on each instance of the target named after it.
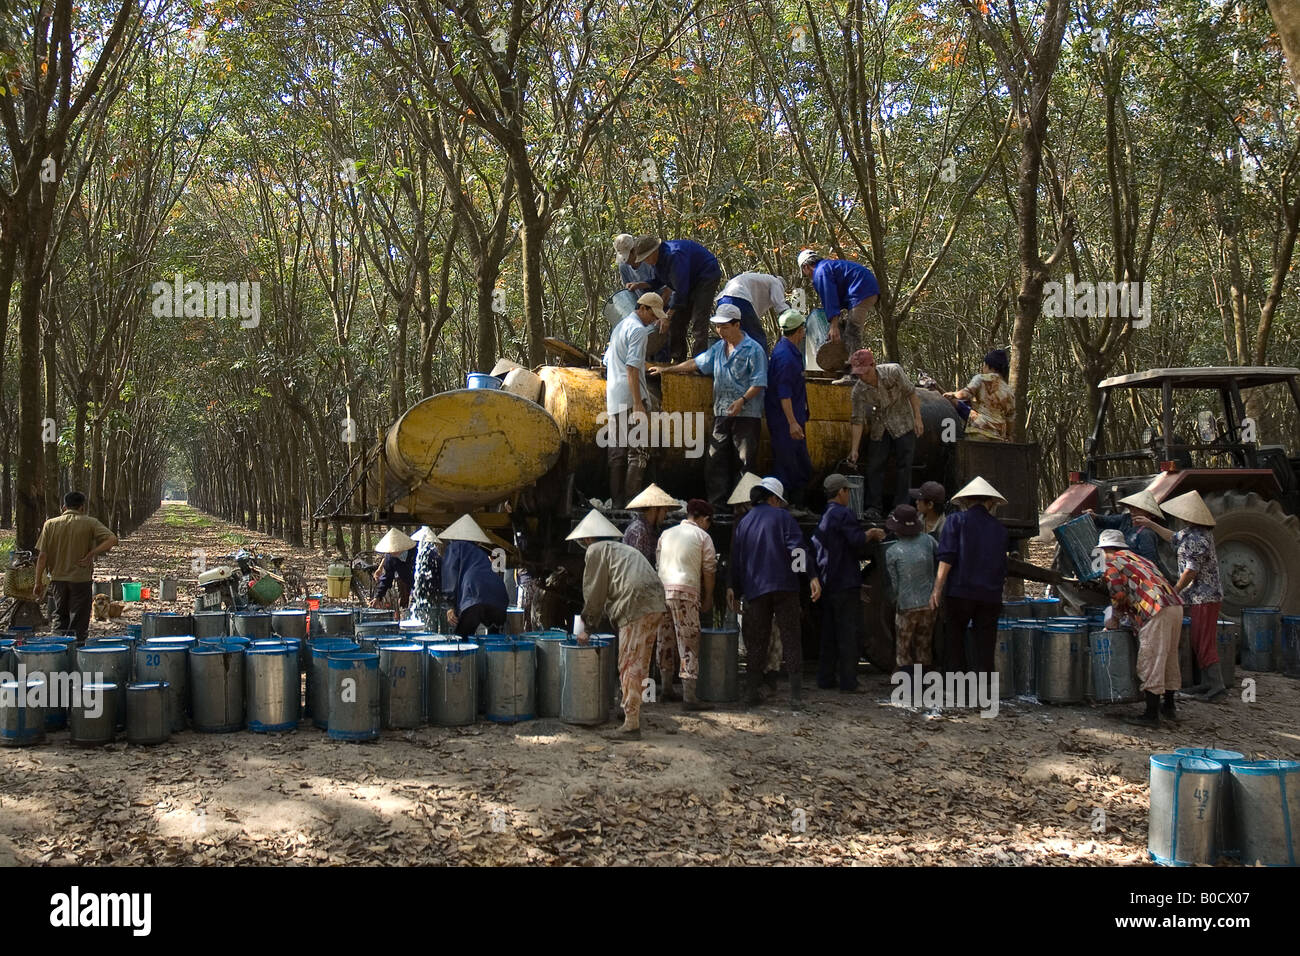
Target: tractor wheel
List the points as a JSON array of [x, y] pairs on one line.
[[1259, 552]]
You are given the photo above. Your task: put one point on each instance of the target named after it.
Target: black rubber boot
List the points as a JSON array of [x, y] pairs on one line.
[[1169, 711], [1214, 689], [1151, 717]]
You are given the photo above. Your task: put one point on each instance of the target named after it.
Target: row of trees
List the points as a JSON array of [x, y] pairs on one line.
[[413, 188]]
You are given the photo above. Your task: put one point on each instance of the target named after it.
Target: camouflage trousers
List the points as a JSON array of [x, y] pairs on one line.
[[636, 642], [682, 627], [913, 637]]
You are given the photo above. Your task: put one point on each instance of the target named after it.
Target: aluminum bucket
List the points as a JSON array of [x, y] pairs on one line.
[[110, 663], [1226, 838], [582, 690], [550, 671], [426, 640], [1004, 659], [369, 615], [452, 685], [272, 690], [332, 622], [719, 665], [1228, 639], [1185, 796], [165, 624], [318, 678], [401, 685], [511, 680], [1289, 662], [367, 634], [353, 695], [209, 624], [88, 728], [251, 624], [1017, 610], [1059, 661], [1259, 628], [607, 651], [1266, 801], [217, 687], [483, 640], [1024, 637], [51, 662], [21, 724], [1043, 608], [617, 306], [1112, 658], [148, 717], [289, 623], [514, 621], [167, 659]]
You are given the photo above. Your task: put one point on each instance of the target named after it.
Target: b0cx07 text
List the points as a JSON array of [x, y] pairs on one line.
[[1225, 897]]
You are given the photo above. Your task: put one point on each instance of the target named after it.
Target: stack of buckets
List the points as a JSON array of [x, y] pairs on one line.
[[1209, 803]]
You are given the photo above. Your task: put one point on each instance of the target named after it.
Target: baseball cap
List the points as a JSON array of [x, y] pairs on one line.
[[656, 303], [725, 313], [834, 483], [791, 319]]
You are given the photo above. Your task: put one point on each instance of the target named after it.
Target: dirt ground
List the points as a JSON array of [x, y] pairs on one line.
[[853, 780]]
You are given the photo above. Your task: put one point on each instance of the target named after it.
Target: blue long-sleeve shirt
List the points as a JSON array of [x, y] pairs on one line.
[[1140, 540], [841, 544], [398, 568], [468, 577], [975, 544], [734, 375], [680, 265], [785, 380], [765, 549], [842, 284]]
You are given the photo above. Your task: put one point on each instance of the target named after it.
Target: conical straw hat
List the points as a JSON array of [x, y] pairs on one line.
[[1190, 507], [979, 488], [653, 497], [395, 542], [464, 528], [595, 525], [740, 496], [425, 534], [1145, 500]]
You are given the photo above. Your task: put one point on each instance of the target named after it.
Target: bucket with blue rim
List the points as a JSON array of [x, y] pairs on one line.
[[353, 695], [1183, 822], [451, 684], [1259, 632], [1044, 607], [318, 678], [481, 380], [272, 694], [1266, 804], [1226, 837], [511, 680]]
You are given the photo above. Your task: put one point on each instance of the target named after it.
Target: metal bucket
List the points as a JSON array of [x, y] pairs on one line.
[[1228, 640], [332, 622], [857, 494], [318, 678], [1289, 662], [165, 624], [1226, 839], [401, 685], [52, 662], [482, 641], [617, 307], [1112, 659], [110, 663], [1186, 659], [209, 624], [373, 629], [148, 717], [426, 640], [451, 690], [21, 724], [289, 623], [550, 671], [1024, 638], [93, 722], [607, 651], [272, 691], [1185, 796], [1016, 610], [368, 615], [1259, 627], [514, 621], [353, 695], [1004, 659], [511, 680], [251, 624], [1043, 608], [582, 690], [719, 665], [1266, 801], [1060, 658], [217, 687], [171, 664]]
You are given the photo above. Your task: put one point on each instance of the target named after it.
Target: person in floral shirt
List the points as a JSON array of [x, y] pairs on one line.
[[1198, 584], [993, 403]]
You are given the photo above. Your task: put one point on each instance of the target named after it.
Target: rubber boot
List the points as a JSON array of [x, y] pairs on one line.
[[634, 482], [628, 731], [689, 700], [796, 692], [1215, 688], [1169, 711], [1151, 717], [617, 484], [753, 678]]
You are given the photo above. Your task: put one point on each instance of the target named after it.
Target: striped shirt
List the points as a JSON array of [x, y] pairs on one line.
[[1137, 587]]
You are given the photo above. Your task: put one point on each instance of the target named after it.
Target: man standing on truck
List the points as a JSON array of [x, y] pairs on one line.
[[754, 293], [627, 395], [692, 272], [786, 403], [68, 546], [848, 291], [886, 398]]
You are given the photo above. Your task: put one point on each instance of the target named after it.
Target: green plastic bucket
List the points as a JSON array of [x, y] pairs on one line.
[[130, 591]]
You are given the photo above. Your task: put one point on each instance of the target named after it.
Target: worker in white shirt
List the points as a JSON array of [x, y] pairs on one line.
[[754, 293]]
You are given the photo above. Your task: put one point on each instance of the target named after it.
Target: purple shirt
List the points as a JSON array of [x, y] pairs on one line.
[[841, 544], [641, 536], [975, 544], [764, 550]]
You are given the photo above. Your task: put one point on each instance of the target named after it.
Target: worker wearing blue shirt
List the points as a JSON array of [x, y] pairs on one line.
[[692, 272], [848, 292], [768, 553], [478, 593], [841, 545], [739, 370], [786, 405]]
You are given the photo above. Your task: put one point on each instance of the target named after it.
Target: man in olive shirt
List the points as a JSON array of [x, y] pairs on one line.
[[68, 546]]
